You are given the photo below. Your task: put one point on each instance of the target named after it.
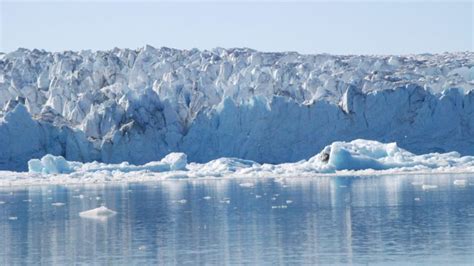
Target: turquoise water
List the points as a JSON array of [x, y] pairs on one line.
[[320, 220]]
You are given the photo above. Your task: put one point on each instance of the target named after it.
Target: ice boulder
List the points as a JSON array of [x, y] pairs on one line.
[[49, 164], [176, 161], [363, 154], [360, 154]]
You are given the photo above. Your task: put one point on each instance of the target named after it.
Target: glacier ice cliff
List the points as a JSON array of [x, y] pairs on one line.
[[140, 105]]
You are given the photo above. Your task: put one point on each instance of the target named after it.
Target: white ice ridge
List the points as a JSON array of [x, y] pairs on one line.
[[355, 157], [139, 105]]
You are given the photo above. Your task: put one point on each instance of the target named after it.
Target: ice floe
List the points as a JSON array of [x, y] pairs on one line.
[[100, 213]]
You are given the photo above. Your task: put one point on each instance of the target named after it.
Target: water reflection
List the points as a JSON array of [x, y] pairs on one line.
[[320, 220]]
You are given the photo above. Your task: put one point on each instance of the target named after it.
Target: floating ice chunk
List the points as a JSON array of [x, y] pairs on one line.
[[58, 204], [359, 154], [460, 182], [176, 161], [428, 187], [258, 196], [289, 201], [280, 207], [416, 199], [2, 202], [182, 201], [207, 197], [12, 218], [49, 164], [100, 213], [225, 200], [247, 184]]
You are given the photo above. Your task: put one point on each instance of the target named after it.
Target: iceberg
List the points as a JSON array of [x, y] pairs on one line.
[[269, 108]]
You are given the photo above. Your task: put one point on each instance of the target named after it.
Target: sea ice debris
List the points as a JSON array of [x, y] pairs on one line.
[[99, 213], [428, 187], [460, 182], [247, 184]]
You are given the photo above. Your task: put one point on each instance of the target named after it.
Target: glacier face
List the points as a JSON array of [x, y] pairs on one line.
[[140, 105]]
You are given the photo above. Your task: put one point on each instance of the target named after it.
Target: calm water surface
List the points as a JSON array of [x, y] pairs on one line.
[[375, 220]]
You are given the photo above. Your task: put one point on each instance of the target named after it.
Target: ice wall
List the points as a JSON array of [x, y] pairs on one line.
[[139, 105]]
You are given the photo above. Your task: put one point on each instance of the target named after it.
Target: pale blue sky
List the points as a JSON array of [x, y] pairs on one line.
[[350, 27]]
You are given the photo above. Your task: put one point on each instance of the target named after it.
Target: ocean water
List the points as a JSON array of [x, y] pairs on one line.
[[343, 220]]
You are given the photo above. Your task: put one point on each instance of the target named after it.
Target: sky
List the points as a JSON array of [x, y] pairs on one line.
[[350, 27]]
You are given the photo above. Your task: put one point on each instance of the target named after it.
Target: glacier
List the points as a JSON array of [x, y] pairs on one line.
[[138, 106]]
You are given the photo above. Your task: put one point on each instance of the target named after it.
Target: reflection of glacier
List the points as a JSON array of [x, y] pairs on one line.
[[330, 221], [139, 105]]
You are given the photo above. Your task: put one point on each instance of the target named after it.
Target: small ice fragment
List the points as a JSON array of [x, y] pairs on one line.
[[280, 207], [225, 200], [257, 196], [58, 204], [273, 198], [417, 199], [2, 202], [417, 183], [207, 197], [183, 201], [247, 184], [289, 201], [12, 218], [129, 191], [460, 182], [27, 200], [142, 247], [97, 198], [81, 196], [100, 213], [428, 187]]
